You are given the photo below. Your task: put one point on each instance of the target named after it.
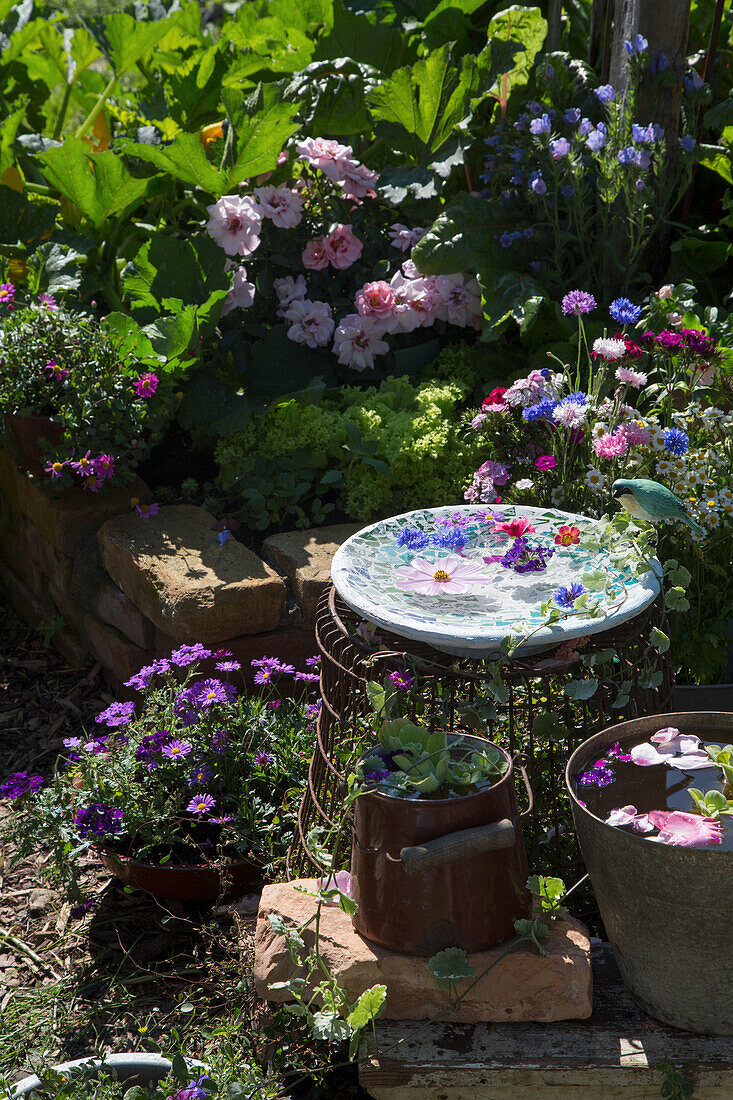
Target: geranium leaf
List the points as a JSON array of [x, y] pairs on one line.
[[450, 966]]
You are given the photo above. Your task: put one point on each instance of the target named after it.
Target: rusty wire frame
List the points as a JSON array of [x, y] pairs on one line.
[[446, 683]]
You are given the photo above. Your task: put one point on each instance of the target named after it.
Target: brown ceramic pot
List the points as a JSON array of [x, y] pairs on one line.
[[434, 873], [188, 882]]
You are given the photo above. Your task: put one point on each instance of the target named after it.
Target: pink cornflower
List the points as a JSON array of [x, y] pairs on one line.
[[317, 254], [634, 434], [608, 348], [629, 377], [56, 370], [83, 466], [311, 323], [56, 469], [146, 384], [7, 293], [357, 341], [235, 224], [376, 300], [515, 528], [200, 803], [283, 206], [345, 247], [447, 574], [611, 446]]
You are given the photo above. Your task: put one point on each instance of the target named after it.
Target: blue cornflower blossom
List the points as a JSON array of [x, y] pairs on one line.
[[413, 538], [577, 398], [624, 311], [453, 539], [543, 408], [676, 441], [566, 597]]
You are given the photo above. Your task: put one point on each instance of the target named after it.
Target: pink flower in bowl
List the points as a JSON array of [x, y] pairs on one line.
[[515, 528], [685, 830]]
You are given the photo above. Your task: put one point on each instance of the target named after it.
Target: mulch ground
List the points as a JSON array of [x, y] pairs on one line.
[[130, 972]]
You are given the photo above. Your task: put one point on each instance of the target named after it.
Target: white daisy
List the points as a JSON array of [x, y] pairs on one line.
[[595, 480]]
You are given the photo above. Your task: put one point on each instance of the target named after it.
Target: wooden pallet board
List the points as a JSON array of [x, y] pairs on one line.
[[613, 1055]]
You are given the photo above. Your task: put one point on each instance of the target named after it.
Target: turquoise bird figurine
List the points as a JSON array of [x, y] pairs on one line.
[[648, 500]]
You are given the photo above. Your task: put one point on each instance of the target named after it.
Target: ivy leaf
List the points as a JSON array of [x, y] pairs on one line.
[[581, 689], [184, 159], [367, 1008], [98, 183], [449, 967], [263, 127]]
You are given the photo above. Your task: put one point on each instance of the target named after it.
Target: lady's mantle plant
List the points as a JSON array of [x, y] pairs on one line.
[[105, 405], [192, 772]]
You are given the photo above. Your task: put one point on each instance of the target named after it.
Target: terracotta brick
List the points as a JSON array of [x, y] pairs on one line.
[[52, 563], [118, 655], [173, 569], [305, 558]]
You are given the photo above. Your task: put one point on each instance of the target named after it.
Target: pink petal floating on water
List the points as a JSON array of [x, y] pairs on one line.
[[646, 755], [690, 761], [685, 830], [625, 816], [642, 824], [663, 737]]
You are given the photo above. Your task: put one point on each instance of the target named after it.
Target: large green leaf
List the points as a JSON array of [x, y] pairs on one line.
[[462, 237], [510, 295], [130, 40], [23, 223], [270, 43], [262, 127], [368, 1007], [518, 24], [98, 183], [168, 267], [184, 158], [382, 45], [171, 336]]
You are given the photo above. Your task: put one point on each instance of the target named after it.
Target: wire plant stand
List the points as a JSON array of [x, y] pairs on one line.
[[529, 689]]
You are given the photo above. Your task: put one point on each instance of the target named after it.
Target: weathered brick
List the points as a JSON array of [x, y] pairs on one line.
[[118, 655], [33, 609], [290, 646], [173, 569], [92, 589], [305, 558]]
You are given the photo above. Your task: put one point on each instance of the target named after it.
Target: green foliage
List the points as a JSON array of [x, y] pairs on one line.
[[450, 968], [711, 803]]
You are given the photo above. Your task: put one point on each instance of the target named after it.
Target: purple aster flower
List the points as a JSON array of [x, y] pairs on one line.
[[208, 692], [311, 713], [523, 557], [145, 385], [377, 776], [219, 741], [412, 538], [274, 704], [402, 679], [152, 743], [176, 750], [308, 677], [566, 597], [116, 714], [578, 301], [228, 666], [98, 819], [676, 441], [200, 776], [314, 661], [263, 759], [265, 662], [265, 675], [187, 654], [201, 804], [221, 820], [624, 311], [605, 93], [19, 783], [71, 742], [56, 370]]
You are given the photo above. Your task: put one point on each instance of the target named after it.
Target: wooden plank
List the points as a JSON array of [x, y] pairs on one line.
[[613, 1055]]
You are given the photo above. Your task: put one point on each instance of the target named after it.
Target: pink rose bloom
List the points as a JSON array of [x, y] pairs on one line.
[[403, 238], [629, 377], [377, 300], [611, 446], [357, 340], [311, 323], [317, 254], [516, 527], [283, 206], [242, 294], [289, 290], [457, 302], [358, 181], [345, 247], [545, 462], [235, 224], [414, 302], [665, 291], [326, 155]]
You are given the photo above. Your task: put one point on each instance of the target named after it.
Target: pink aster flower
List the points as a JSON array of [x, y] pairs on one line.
[[283, 206], [56, 370], [104, 466], [235, 224], [447, 574], [289, 290], [357, 341], [176, 750], [311, 323], [345, 247], [457, 302], [56, 469], [686, 830], [376, 300], [515, 528], [628, 377], [403, 238], [84, 466], [242, 294], [317, 254], [146, 385], [48, 301], [7, 293], [611, 446], [200, 803]]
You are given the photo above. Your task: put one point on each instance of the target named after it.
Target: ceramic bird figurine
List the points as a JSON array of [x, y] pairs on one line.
[[648, 500]]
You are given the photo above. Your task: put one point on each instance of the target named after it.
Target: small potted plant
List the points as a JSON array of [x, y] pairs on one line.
[[187, 793], [81, 409], [437, 858]]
